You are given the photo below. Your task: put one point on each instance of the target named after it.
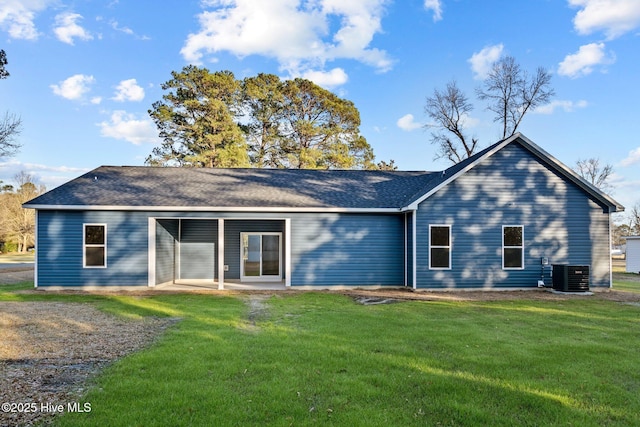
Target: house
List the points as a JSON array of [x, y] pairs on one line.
[[487, 222], [633, 254]]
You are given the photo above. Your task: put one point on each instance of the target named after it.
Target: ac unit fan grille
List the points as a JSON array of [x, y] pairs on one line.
[[571, 278]]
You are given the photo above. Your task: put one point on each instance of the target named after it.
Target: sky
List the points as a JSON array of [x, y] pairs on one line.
[[84, 73]]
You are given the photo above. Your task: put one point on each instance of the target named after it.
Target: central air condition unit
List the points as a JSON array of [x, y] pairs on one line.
[[571, 278]]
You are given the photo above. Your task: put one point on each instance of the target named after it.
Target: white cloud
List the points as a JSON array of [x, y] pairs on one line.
[[17, 16], [50, 176], [327, 79], [614, 17], [408, 123], [74, 87], [297, 34], [567, 106], [67, 28], [125, 126], [482, 61], [126, 30], [128, 90], [436, 7], [468, 122], [582, 62], [96, 100], [632, 158]]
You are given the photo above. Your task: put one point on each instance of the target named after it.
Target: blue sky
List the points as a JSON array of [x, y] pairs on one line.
[[84, 73]]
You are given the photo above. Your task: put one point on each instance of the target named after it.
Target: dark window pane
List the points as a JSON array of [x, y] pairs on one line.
[[94, 257], [439, 258], [270, 255], [512, 258], [94, 234], [513, 236], [439, 236]]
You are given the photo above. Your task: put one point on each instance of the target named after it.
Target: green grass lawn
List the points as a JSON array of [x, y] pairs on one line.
[[629, 286], [322, 359]]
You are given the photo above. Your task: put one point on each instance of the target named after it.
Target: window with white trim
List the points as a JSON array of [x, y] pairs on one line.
[[512, 247], [440, 247], [94, 246], [261, 256]]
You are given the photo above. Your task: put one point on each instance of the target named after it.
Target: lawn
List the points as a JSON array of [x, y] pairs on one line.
[[629, 286], [627, 282], [14, 257], [322, 359]]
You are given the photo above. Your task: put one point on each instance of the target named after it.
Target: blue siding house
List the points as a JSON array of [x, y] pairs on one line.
[[497, 220]]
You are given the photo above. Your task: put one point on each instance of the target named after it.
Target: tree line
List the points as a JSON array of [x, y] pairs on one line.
[[212, 119], [17, 225]]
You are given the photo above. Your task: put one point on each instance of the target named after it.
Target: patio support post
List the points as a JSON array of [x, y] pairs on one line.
[[220, 254], [414, 256], [287, 250]]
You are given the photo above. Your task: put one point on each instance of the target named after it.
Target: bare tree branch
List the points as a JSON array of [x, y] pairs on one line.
[[10, 128], [511, 93], [634, 219], [16, 223], [449, 110], [596, 174]]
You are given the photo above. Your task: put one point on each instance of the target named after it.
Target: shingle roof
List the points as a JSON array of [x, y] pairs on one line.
[[131, 186], [199, 188]]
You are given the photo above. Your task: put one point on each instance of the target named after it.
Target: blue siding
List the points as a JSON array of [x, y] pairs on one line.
[[347, 249], [59, 249], [327, 249], [512, 188]]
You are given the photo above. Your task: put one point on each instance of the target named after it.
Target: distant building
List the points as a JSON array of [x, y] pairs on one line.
[[633, 254]]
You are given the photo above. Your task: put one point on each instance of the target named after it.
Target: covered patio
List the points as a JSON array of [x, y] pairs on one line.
[[219, 253]]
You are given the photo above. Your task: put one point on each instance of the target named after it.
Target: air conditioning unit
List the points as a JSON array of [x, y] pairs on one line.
[[570, 278]]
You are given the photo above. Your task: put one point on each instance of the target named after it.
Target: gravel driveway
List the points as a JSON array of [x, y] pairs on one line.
[[48, 351], [9, 275]]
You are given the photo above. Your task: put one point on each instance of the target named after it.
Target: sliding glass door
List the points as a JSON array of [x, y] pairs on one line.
[[260, 256]]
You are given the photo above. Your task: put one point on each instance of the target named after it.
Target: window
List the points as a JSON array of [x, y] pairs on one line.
[[95, 245], [440, 247], [260, 254], [512, 247]]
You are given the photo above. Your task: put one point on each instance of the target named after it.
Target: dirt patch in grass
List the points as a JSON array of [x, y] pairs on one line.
[[534, 294], [13, 275], [49, 351], [256, 302]]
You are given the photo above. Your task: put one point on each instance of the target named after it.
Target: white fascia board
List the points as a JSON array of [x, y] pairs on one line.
[[570, 174], [414, 206], [209, 209], [541, 154]]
